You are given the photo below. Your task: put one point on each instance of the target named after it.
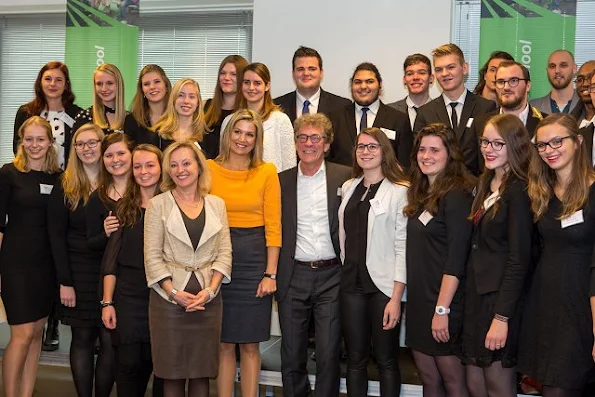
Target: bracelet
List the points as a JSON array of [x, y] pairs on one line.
[[211, 294], [106, 303], [172, 294], [500, 318]]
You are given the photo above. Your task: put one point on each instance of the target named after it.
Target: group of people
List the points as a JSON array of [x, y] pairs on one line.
[[161, 234]]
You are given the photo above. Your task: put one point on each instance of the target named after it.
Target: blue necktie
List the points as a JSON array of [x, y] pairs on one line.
[[363, 124], [306, 107]]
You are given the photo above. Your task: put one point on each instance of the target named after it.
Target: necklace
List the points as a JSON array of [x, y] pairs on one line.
[[116, 190], [189, 203]]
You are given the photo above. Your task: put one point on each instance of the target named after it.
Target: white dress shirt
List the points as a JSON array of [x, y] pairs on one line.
[[411, 109], [524, 115], [300, 99], [370, 113], [313, 236], [459, 107]]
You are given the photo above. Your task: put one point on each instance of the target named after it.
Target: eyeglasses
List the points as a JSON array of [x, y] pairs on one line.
[[303, 138], [496, 145], [92, 143], [512, 82], [555, 143], [581, 79], [372, 147], [592, 88]]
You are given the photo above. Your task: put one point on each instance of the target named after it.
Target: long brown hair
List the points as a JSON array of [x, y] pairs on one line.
[[213, 113], [263, 72], [39, 103], [75, 182], [140, 105], [391, 169], [542, 178], [21, 161], [129, 207], [519, 151], [454, 175], [105, 178], [256, 153]]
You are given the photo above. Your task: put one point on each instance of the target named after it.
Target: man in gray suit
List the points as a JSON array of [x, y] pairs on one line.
[[309, 271], [417, 78], [562, 98]]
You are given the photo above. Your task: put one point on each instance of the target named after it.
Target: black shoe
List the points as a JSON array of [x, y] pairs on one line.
[[51, 341]]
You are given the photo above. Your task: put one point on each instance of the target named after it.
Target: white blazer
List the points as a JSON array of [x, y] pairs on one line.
[[387, 233]]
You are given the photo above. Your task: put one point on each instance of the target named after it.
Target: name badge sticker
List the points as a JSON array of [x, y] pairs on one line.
[[573, 219], [69, 121], [391, 134], [45, 189], [377, 206], [339, 192], [425, 218], [470, 122], [491, 200]]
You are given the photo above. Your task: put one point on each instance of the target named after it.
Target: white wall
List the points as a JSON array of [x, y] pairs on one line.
[[346, 33]]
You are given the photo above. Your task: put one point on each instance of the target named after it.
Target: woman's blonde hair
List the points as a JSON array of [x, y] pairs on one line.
[[119, 106], [169, 123], [75, 181], [542, 178], [140, 105], [50, 162], [256, 153], [204, 173]]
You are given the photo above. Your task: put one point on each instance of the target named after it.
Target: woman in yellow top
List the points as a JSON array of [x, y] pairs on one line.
[[252, 195]]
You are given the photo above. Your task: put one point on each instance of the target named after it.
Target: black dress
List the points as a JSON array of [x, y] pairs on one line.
[[26, 267], [211, 141], [86, 116], [500, 258], [124, 259], [140, 134], [557, 333], [77, 265], [439, 248]]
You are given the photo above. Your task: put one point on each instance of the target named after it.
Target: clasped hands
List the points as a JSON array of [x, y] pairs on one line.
[[192, 302]]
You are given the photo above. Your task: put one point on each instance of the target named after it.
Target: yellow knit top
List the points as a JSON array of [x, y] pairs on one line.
[[252, 198]]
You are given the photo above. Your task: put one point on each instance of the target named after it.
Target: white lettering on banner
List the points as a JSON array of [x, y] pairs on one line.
[[100, 55], [526, 50]]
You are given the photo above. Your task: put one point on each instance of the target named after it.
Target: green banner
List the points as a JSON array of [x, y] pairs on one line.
[[97, 32], [530, 30]]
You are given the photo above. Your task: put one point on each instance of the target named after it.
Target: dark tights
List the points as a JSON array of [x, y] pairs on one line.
[[196, 387], [492, 381], [549, 391], [84, 369], [441, 376], [134, 370]]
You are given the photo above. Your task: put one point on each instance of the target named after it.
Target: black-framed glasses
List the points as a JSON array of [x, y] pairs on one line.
[[512, 82], [372, 147], [303, 138], [496, 145], [91, 143], [555, 143], [581, 79]]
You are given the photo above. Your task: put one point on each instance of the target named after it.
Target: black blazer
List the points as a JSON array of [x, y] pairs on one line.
[[346, 133], [480, 122], [328, 102], [335, 176], [435, 112], [501, 248], [587, 133], [22, 115]]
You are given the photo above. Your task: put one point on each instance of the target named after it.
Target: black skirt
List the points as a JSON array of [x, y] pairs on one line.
[[246, 318]]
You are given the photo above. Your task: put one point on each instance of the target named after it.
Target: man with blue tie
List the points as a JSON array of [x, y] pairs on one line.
[[308, 97]]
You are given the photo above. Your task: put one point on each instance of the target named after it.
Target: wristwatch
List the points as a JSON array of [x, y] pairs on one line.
[[172, 294], [441, 310], [106, 303], [272, 276]]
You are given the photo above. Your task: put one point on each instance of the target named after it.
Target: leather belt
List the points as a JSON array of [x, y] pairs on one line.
[[320, 264]]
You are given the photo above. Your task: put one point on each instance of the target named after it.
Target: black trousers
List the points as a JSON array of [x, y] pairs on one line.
[[312, 292], [361, 319]]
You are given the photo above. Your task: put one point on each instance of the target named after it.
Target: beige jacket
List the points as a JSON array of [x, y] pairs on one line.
[[167, 242]]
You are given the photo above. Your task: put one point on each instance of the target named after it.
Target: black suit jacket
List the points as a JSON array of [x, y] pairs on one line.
[[435, 112], [480, 121], [346, 133], [22, 115], [335, 176], [501, 248], [587, 133], [328, 102]]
